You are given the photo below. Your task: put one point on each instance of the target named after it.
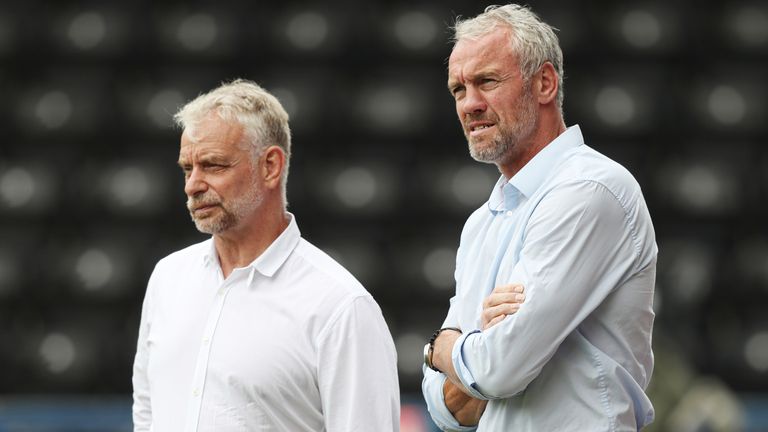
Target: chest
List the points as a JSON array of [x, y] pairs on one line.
[[487, 259], [247, 342]]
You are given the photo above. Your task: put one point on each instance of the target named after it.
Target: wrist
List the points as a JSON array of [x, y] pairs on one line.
[[429, 348]]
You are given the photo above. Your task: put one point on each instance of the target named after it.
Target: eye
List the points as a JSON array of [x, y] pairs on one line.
[[213, 166], [488, 82], [457, 91]]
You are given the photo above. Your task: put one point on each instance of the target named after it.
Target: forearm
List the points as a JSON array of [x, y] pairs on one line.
[[464, 408], [433, 387]]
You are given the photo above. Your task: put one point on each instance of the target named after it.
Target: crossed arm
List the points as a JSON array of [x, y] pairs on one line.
[[578, 238], [467, 410]]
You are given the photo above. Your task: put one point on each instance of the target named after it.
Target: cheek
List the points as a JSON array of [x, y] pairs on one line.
[[460, 116]]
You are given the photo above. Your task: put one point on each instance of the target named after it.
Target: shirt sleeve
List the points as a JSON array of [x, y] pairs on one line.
[[142, 407], [432, 388], [357, 371], [578, 247]]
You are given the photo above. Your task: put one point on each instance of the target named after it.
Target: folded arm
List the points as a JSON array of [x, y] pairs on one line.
[[578, 248], [455, 409]]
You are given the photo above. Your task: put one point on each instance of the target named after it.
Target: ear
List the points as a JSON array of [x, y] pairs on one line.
[[546, 84], [272, 166]]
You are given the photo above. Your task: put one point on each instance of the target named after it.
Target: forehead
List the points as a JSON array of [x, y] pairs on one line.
[[211, 135], [493, 50]]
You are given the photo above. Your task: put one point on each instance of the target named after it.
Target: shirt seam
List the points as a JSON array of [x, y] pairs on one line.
[[344, 306], [604, 394]]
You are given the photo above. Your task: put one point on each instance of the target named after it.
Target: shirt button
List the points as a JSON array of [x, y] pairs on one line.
[[509, 213], [196, 392], [221, 292], [206, 340]]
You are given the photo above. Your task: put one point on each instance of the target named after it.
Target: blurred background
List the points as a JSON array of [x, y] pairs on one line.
[[91, 197]]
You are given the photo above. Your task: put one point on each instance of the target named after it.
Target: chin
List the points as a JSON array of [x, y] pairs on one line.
[[209, 227], [488, 153]]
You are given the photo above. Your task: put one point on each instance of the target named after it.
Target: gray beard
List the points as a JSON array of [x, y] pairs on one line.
[[506, 139], [493, 153], [231, 215], [216, 225]]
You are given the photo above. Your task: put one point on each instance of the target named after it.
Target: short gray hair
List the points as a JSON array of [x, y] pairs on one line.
[[533, 40], [263, 118]]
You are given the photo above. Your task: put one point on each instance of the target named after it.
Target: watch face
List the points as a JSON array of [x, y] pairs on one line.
[[426, 356]]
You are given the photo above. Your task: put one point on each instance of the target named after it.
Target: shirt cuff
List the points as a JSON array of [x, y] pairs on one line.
[[437, 408], [465, 376]]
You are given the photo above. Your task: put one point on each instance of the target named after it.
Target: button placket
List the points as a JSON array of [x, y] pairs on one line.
[[201, 367]]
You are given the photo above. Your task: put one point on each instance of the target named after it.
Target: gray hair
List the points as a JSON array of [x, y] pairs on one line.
[[533, 40], [261, 115]]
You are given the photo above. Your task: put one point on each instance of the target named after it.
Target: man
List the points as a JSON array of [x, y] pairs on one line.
[[255, 328], [565, 222]]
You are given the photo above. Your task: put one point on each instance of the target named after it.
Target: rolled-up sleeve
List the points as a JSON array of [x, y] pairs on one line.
[[432, 388]]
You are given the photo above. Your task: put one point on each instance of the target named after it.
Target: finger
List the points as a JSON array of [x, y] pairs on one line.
[[501, 298], [515, 287], [490, 314], [494, 321], [505, 309], [488, 302]]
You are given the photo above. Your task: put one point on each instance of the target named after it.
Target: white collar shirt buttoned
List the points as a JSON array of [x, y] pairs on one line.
[[291, 342]]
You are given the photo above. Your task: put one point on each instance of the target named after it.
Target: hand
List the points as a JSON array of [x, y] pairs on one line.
[[504, 300]]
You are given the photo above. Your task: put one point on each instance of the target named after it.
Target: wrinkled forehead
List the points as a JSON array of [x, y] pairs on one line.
[[195, 130], [477, 52], [212, 132], [498, 38]]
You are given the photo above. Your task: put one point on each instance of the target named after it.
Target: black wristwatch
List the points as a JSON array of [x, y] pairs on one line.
[[430, 346]]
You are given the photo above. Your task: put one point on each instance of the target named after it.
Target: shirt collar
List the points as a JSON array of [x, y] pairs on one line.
[[273, 257], [505, 193], [210, 256]]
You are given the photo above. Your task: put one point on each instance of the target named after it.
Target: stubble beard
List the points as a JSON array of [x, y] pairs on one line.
[[229, 215], [507, 137]]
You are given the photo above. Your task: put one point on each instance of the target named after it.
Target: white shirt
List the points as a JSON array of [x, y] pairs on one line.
[[571, 226], [292, 342]]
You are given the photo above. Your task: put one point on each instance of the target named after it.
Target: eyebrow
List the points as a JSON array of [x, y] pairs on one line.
[[210, 157], [452, 82]]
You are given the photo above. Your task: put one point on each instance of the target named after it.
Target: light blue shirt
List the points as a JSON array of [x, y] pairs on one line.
[[571, 226]]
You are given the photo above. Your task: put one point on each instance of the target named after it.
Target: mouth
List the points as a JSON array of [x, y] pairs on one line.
[[203, 208], [479, 127]]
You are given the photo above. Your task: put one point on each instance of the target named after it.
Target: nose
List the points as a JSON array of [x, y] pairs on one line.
[[473, 102], [195, 183]]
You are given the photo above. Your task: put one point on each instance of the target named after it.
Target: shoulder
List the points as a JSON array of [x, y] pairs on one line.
[[337, 294], [318, 266], [600, 190], [586, 164], [184, 257], [586, 175]]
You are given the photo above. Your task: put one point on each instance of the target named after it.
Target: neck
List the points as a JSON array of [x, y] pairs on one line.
[[548, 127], [239, 246]]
